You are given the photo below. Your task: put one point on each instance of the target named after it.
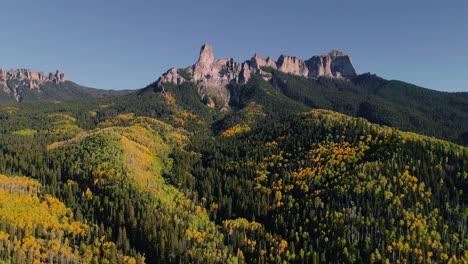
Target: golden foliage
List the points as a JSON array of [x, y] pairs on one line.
[[24, 132], [23, 208], [240, 223], [235, 130], [170, 97], [184, 118], [63, 124], [10, 109], [40, 228], [105, 106], [120, 119]]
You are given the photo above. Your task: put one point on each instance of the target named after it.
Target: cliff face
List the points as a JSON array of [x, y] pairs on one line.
[[333, 64], [172, 76], [213, 75], [11, 81], [257, 62], [292, 65]]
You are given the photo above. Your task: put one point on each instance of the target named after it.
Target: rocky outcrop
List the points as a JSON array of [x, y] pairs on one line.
[[11, 80], [333, 64], [172, 76], [212, 76], [257, 62], [57, 77], [246, 72], [213, 72], [271, 63], [292, 65], [35, 77]]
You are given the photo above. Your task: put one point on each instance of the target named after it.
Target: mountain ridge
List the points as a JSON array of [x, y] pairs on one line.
[[214, 75], [11, 80], [386, 102], [25, 85]]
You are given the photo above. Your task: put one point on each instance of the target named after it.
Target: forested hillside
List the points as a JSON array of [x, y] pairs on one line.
[[49, 91], [391, 103], [278, 149], [38, 228], [161, 178], [329, 188]]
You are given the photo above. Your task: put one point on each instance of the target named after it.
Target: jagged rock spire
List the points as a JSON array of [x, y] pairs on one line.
[[206, 54]]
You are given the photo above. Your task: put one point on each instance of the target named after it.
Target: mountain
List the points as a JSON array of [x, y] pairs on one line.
[[291, 85], [214, 75], [23, 85], [219, 166]]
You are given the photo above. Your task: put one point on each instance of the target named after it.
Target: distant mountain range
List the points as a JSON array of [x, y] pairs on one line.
[[24, 85]]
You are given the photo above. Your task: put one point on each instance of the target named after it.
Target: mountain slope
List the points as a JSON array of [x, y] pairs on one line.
[[330, 188], [391, 103], [26, 86], [312, 187], [114, 176], [64, 91], [38, 228], [287, 86]]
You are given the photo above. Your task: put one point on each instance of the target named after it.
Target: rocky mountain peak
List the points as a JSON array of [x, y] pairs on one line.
[[257, 61], [57, 77], [333, 64], [26, 74], [292, 65], [271, 63], [14, 79], [212, 76]]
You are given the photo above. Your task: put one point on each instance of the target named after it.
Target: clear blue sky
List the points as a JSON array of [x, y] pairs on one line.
[[129, 44]]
